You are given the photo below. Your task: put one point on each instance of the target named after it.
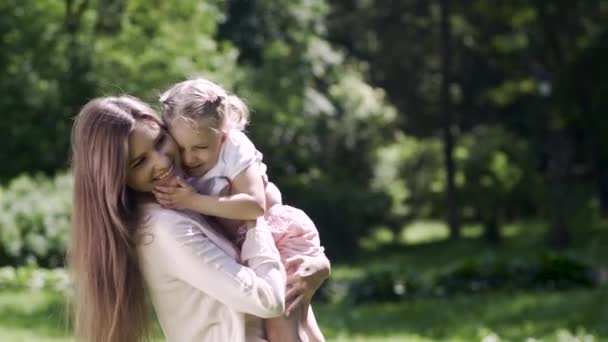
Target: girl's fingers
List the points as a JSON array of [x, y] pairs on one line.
[[163, 200], [182, 183], [163, 195], [292, 293], [292, 278], [294, 305], [295, 261], [162, 189], [160, 196], [165, 189]]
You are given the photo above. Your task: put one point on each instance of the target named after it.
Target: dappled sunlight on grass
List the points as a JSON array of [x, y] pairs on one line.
[[428, 231], [556, 316], [433, 250], [378, 237], [424, 231], [512, 317]]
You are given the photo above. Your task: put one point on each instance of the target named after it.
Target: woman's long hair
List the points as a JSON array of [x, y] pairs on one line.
[[109, 290]]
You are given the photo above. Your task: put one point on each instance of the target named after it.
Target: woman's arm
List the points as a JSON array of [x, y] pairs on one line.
[[185, 252]]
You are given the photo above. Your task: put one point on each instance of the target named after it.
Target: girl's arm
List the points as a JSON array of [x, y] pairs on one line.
[[246, 202], [273, 195]]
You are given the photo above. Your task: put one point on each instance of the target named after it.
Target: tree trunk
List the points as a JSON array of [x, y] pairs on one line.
[[560, 151], [559, 165], [448, 140], [491, 230]]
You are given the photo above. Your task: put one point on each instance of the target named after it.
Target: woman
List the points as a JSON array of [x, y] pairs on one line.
[[120, 237]]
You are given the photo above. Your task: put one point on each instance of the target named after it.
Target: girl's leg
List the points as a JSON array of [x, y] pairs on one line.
[[311, 328], [282, 329]]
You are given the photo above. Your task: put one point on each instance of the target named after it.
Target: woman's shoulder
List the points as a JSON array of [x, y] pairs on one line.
[[162, 229], [153, 215], [160, 221]]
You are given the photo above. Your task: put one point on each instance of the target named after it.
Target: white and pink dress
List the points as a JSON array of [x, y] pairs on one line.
[[293, 231]]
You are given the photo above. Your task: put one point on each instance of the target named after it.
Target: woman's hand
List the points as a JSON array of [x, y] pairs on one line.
[[180, 196], [305, 281]]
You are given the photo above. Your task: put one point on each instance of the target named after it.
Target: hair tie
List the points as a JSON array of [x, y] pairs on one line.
[[218, 101]]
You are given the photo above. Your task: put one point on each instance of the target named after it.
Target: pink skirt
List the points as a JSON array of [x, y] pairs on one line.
[[293, 232]]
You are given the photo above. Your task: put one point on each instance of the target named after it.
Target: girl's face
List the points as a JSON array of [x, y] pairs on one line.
[[153, 157], [199, 146]]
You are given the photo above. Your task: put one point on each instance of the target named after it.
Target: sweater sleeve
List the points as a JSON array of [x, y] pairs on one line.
[[190, 256]]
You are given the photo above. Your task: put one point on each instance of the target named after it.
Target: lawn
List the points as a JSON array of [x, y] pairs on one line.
[[558, 316], [574, 315]]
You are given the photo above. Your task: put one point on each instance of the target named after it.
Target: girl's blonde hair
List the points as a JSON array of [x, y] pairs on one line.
[[109, 289], [201, 99]]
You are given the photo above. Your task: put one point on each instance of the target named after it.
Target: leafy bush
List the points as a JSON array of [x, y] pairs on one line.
[[35, 278], [34, 220], [469, 276], [550, 271], [383, 286]]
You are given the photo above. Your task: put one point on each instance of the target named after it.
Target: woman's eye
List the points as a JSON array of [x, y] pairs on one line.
[[139, 162], [201, 147]]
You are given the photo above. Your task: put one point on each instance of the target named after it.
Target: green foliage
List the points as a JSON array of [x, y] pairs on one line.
[[35, 103], [409, 171], [472, 276], [157, 45], [35, 219], [499, 174], [34, 278], [344, 94], [495, 175]]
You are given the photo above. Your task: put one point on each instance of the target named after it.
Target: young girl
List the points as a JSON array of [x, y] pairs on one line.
[[229, 182]]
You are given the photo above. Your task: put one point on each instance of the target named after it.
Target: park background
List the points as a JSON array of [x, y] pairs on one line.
[[452, 153]]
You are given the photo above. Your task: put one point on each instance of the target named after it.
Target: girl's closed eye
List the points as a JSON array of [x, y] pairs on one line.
[[201, 147], [162, 137]]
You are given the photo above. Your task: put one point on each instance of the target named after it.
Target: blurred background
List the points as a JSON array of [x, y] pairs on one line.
[[450, 152]]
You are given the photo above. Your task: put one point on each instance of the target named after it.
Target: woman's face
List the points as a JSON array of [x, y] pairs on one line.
[[153, 157], [199, 147]]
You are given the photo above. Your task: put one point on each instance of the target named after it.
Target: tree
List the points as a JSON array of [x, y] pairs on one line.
[[448, 140]]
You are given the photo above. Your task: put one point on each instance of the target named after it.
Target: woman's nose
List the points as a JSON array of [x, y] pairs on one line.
[[161, 161]]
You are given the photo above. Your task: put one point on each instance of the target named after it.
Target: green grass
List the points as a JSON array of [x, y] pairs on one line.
[[428, 250], [512, 317], [577, 315], [33, 316], [558, 316]]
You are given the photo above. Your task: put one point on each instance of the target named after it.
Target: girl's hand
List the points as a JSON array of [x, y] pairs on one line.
[[302, 285], [180, 196]]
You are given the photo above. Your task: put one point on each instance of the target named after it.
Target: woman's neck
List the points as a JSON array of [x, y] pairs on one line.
[[145, 198]]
